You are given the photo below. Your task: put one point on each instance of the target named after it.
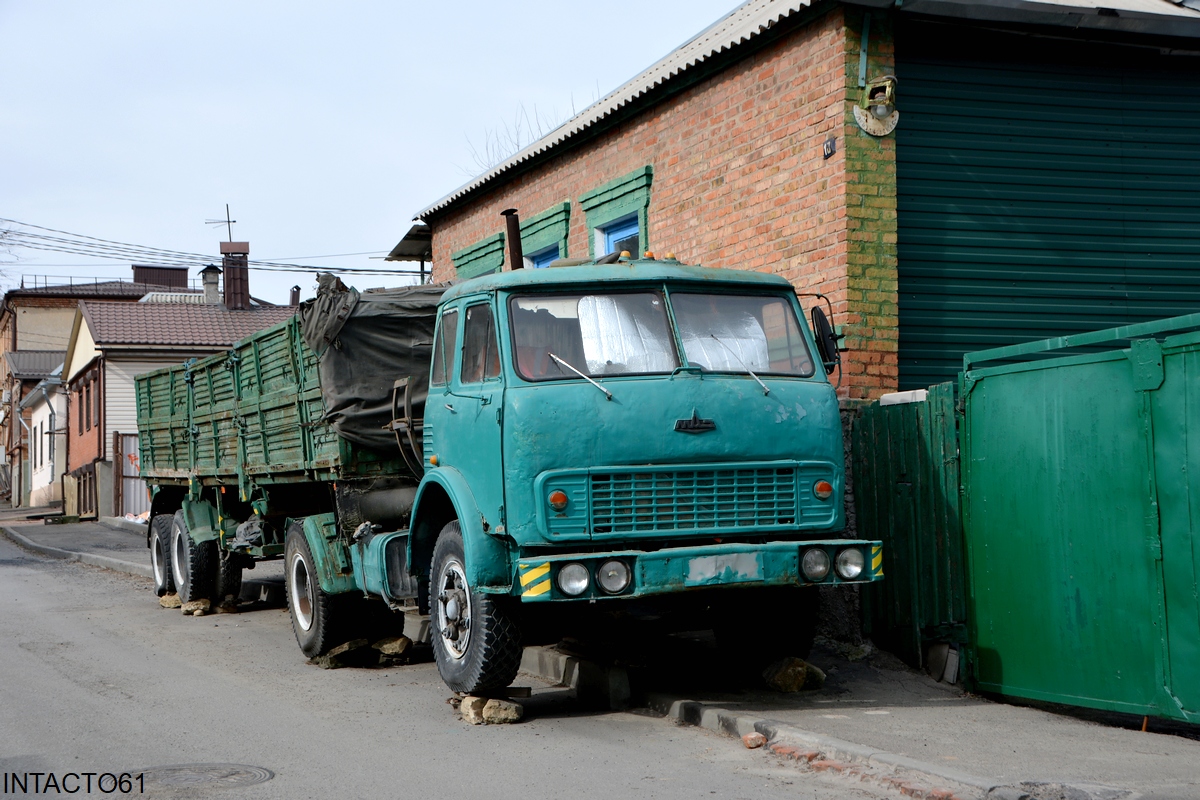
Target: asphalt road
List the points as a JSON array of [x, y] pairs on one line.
[[95, 677]]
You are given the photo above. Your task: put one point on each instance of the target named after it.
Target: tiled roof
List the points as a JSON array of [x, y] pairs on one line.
[[100, 289], [175, 324], [33, 364]]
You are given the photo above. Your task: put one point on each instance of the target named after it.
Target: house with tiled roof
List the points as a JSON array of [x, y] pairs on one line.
[[113, 342], [35, 324]]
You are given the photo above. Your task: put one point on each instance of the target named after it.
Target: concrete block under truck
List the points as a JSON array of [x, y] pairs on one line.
[[515, 455]]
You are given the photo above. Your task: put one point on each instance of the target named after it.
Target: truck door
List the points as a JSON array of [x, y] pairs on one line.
[[470, 436]]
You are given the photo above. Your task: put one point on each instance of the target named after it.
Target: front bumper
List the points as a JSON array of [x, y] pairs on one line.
[[680, 569]]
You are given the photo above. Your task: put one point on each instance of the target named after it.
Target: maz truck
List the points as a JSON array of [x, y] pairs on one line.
[[514, 455]]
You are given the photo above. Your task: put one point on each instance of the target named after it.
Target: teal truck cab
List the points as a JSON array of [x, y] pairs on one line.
[[602, 434], [602, 440]]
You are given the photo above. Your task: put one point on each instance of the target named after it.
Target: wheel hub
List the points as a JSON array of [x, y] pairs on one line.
[[454, 608]]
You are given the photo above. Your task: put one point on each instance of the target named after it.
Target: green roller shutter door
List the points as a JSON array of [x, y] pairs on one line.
[[1044, 187]]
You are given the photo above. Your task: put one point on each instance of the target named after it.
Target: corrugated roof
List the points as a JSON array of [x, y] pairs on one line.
[[1170, 17], [740, 25], [175, 324], [193, 298], [33, 364]]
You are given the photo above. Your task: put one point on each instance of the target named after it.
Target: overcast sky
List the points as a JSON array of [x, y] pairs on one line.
[[325, 126]]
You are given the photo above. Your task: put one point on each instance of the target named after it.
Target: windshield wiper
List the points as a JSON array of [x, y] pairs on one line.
[[749, 371], [563, 362]]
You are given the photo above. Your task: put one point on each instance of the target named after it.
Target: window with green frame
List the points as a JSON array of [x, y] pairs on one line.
[[612, 209], [544, 236], [482, 258]]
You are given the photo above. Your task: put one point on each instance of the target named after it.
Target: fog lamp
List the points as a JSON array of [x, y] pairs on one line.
[[573, 579], [815, 564], [613, 576], [850, 563]]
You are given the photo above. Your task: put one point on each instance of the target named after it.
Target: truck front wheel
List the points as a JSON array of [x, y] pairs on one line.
[[193, 564], [313, 619], [160, 554], [476, 645]]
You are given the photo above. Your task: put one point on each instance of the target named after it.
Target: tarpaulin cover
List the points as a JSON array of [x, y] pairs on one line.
[[365, 341]]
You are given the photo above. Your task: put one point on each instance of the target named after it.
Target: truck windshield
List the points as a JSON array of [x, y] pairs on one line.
[[598, 334], [736, 333]]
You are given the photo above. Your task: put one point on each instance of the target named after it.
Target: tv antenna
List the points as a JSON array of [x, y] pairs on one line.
[[227, 222]]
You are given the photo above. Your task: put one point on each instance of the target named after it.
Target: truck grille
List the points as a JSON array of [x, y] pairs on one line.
[[633, 502]]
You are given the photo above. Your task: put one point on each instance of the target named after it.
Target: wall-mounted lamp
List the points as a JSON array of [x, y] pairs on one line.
[[876, 112]]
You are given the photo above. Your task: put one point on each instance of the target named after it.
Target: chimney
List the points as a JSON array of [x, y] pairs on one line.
[[294, 299], [211, 275], [234, 258]]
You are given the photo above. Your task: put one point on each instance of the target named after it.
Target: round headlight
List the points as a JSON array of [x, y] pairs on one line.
[[573, 579], [850, 563], [815, 564], [613, 576]]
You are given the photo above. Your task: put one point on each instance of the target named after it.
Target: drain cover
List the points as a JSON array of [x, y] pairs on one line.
[[209, 776]]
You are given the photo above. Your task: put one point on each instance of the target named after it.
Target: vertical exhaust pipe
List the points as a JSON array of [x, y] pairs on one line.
[[515, 256]]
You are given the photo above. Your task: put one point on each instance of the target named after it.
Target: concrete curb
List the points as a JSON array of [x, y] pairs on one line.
[[594, 685], [115, 564], [122, 524], [819, 751]]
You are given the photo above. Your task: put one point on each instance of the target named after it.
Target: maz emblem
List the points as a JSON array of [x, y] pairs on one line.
[[695, 424]]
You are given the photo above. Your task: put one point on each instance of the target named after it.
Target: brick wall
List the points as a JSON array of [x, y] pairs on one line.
[[740, 182], [86, 444]]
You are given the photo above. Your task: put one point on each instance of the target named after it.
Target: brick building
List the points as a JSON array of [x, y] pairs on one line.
[[35, 325], [1034, 171]]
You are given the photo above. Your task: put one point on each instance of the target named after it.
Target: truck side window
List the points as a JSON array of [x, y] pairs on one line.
[[481, 360], [443, 349]]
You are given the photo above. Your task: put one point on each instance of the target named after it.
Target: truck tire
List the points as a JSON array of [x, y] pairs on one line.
[[228, 577], [160, 554], [315, 618], [476, 645], [193, 564]]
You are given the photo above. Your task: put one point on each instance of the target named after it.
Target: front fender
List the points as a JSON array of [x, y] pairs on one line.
[[489, 560]]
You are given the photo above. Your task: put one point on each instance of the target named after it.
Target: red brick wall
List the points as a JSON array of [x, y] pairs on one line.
[[739, 178], [85, 445]]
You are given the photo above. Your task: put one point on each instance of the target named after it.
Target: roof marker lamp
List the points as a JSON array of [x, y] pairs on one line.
[[815, 564], [573, 579]]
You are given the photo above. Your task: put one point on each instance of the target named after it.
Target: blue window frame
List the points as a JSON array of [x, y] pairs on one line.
[[542, 258], [622, 235]]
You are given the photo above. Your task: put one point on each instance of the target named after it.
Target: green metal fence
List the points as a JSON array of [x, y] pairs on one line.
[[1079, 525], [906, 489]]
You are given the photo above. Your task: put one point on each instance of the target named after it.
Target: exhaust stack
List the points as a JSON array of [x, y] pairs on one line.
[[515, 256]]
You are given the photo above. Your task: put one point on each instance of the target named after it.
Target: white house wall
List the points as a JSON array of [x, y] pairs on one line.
[[120, 392], [44, 484]]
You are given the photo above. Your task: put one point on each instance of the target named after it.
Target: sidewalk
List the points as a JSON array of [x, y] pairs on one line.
[[874, 717]]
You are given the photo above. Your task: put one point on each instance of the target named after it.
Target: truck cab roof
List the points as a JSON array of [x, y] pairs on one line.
[[623, 271]]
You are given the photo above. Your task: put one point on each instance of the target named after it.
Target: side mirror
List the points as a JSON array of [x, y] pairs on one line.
[[827, 340]]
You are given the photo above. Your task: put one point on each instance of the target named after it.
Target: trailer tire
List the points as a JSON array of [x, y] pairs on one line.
[[483, 653], [314, 614], [229, 576], [193, 564], [160, 554]]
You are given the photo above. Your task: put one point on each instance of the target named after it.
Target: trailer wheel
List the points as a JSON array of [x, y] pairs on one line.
[[160, 554], [314, 618], [193, 564], [476, 645]]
